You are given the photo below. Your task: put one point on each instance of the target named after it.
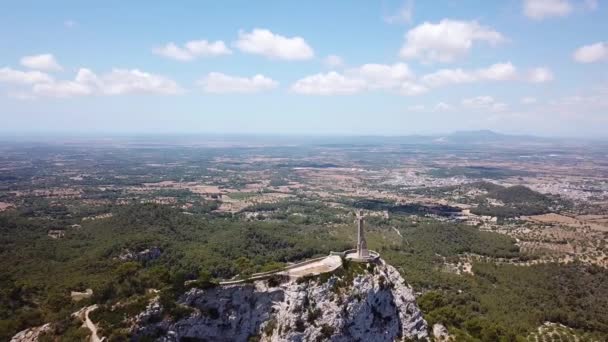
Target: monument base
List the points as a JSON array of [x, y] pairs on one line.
[[353, 255]]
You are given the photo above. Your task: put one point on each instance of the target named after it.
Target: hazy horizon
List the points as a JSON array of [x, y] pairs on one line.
[[296, 138]]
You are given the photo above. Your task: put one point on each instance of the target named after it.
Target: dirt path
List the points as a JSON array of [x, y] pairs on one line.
[[398, 232], [90, 325]]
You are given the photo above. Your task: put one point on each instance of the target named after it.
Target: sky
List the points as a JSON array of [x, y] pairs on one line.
[[304, 67]]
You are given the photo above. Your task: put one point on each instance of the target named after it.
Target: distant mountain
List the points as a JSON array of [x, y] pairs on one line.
[[482, 134], [487, 136], [458, 137]]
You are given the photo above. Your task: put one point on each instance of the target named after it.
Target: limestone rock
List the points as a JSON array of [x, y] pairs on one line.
[[440, 333], [142, 256], [375, 305], [31, 334]]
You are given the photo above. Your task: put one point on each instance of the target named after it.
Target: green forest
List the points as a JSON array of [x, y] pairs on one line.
[[498, 303]]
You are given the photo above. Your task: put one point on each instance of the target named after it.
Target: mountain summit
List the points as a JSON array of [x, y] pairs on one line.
[[359, 302]]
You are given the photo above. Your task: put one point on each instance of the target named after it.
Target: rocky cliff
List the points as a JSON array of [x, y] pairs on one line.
[[357, 303]]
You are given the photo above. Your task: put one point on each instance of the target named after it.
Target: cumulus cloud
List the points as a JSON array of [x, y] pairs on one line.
[[395, 77], [333, 61], [86, 82], [592, 53], [266, 43], [540, 75], [399, 78], [193, 49], [541, 9], [446, 41], [448, 76], [219, 83], [61, 89], [412, 89], [484, 103], [8, 75], [126, 81], [382, 76], [476, 104], [441, 107], [331, 83], [496, 72], [45, 62], [528, 100], [438, 107]]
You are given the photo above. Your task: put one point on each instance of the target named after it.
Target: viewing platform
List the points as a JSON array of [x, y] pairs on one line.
[[326, 264]]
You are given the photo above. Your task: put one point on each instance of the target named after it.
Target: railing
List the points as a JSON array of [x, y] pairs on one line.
[[373, 256], [268, 274]]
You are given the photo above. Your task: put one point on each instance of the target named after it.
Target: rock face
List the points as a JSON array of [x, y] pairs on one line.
[[31, 334], [440, 333], [373, 304], [143, 256]]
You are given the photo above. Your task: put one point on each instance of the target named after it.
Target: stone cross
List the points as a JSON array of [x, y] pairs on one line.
[[362, 252]]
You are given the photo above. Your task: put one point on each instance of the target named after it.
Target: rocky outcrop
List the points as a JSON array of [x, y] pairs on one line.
[[31, 334], [440, 333], [371, 304], [146, 255]]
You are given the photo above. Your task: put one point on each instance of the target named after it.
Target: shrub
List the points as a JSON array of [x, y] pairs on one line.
[[327, 330]]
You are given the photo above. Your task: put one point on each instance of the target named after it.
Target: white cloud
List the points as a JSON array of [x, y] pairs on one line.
[[193, 49], [446, 41], [8, 75], [45, 62], [540, 9], [528, 100], [474, 104], [438, 107], [382, 76], [540, 75], [264, 42], [479, 101], [592, 53], [331, 83], [442, 107], [62, 89], [395, 77], [400, 79], [448, 76], [496, 72], [405, 14], [216, 82], [86, 82], [126, 81], [484, 103], [412, 89], [333, 61]]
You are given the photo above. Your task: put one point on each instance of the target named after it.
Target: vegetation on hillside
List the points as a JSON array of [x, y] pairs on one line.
[[498, 302]]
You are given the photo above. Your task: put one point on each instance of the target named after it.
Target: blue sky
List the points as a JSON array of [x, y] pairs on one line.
[[305, 67]]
